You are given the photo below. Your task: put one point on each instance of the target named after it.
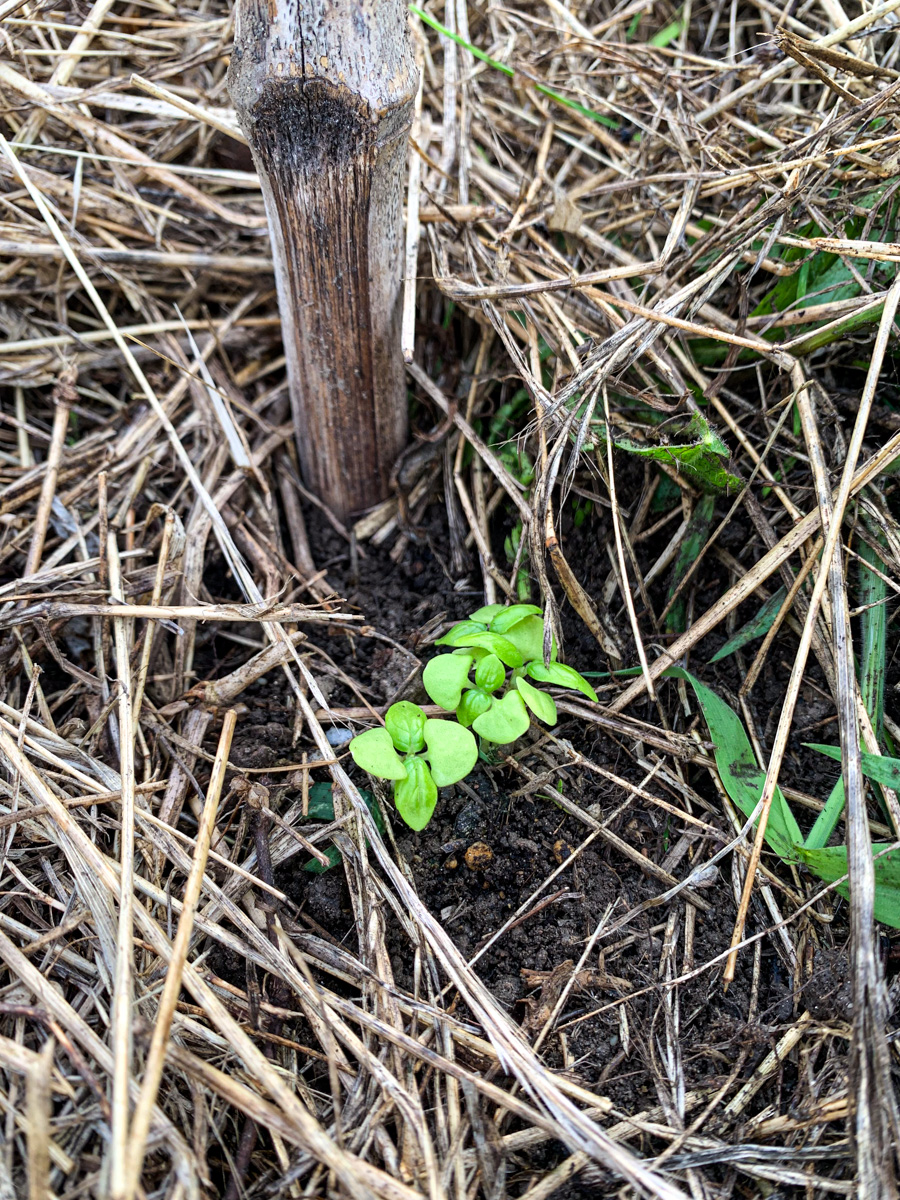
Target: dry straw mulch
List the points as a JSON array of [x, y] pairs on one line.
[[147, 470]]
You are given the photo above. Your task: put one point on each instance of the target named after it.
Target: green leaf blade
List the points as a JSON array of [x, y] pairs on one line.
[[560, 675], [506, 720], [539, 702], [405, 722], [452, 751], [759, 626], [444, 678], [416, 795], [374, 752]]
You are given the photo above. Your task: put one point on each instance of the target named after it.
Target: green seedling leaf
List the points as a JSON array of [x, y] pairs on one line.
[[374, 752], [695, 538], [314, 867], [667, 34], [490, 673], [873, 634], [504, 620], [875, 766], [456, 636], [528, 636], [452, 751], [405, 722], [741, 777], [321, 805], [445, 677], [831, 863], [416, 795], [826, 822], [486, 614], [321, 808], [539, 702], [494, 643], [758, 627], [560, 675], [474, 702], [505, 721]]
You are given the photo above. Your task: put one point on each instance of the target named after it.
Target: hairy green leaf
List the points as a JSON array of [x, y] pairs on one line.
[[698, 451]]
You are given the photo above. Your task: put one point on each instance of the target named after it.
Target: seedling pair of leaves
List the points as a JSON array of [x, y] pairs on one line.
[[419, 755], [495, 640]]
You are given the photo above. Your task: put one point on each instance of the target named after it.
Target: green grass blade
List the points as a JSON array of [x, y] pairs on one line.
[[692, 543], [831, 864], [741, 776], [873, 628], [826, 821], [875, 766], [759, 626], [498, 66]]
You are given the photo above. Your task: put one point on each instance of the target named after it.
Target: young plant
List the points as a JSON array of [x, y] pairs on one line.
[[494, 640], [434, 755]]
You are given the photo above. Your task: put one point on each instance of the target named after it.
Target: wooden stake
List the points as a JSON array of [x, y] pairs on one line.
[[324, 95]]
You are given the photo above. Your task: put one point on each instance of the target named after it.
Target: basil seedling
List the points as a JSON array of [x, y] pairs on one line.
[[419, 755]]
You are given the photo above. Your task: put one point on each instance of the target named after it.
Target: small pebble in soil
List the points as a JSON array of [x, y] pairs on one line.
[[339, 737], [479, 856]]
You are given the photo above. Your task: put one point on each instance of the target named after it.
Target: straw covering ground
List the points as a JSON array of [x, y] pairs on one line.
[[650, 315]]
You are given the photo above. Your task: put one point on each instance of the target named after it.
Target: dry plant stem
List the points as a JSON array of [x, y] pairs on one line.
[[64, 69], [65, 395], [326, 106], [143, 1113], [38, 1103], [620, 553], [147, 648], [124, 983], [787, 604], [357, 1176]]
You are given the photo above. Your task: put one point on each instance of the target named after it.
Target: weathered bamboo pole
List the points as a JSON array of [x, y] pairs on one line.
[[324, 92]]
